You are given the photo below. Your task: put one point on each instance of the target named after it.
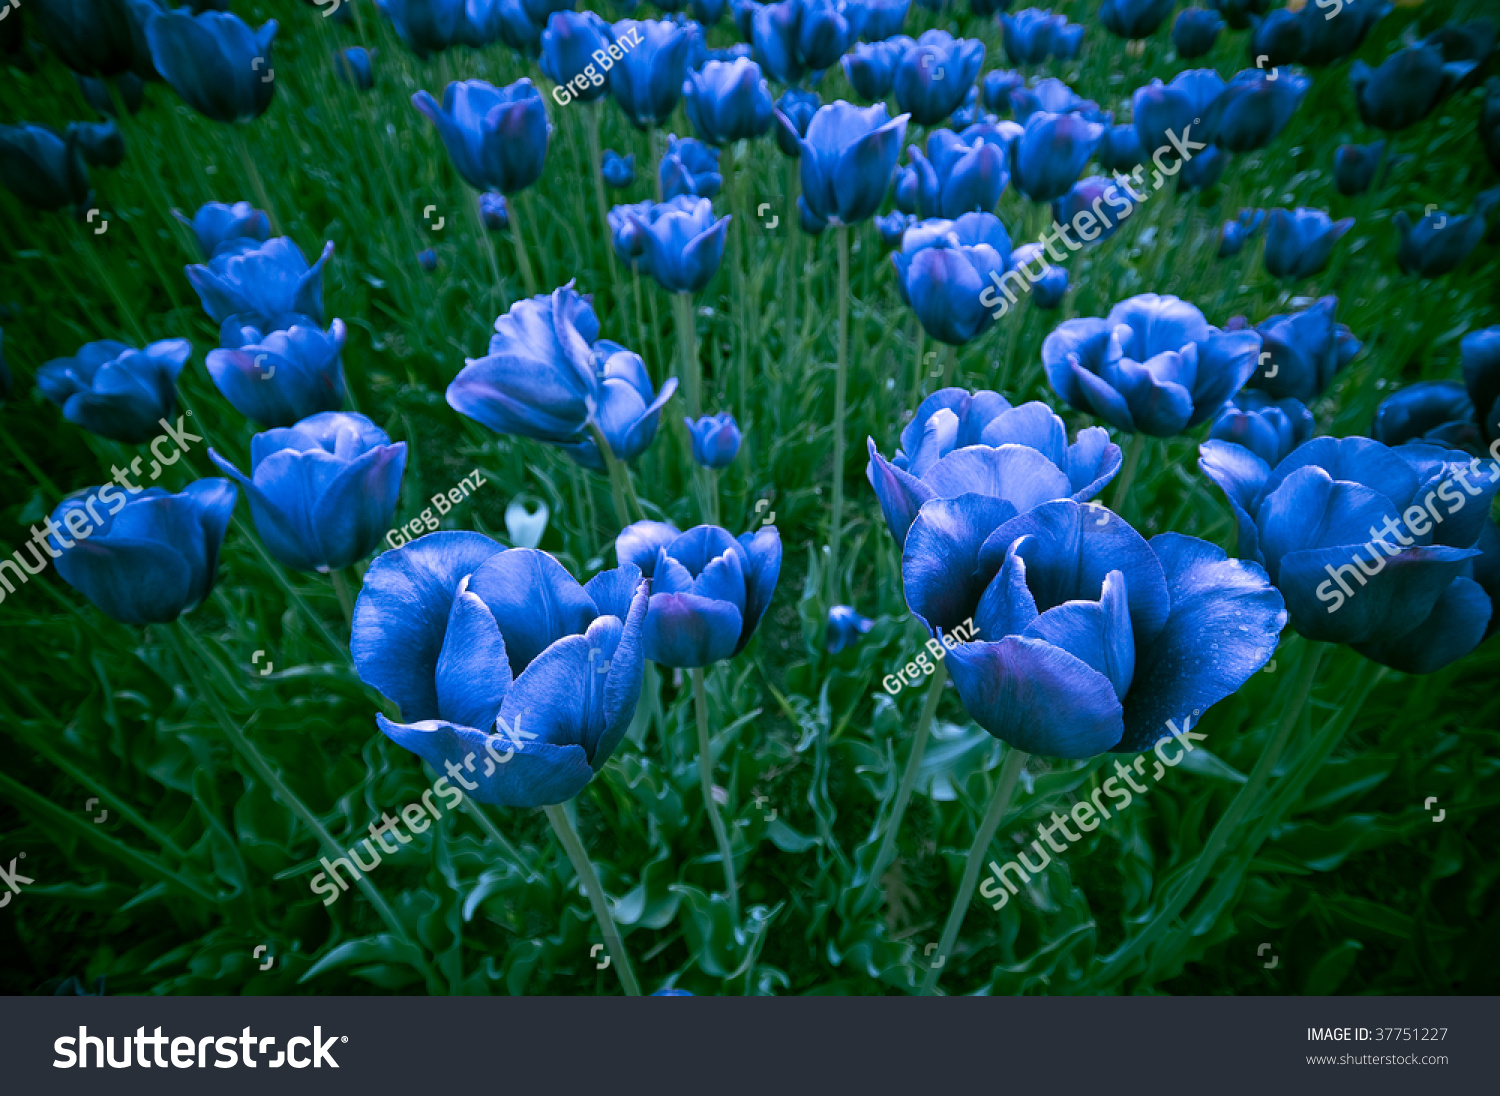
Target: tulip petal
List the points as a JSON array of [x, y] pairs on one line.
[[473, 671], [901, 494], [1455, 627], [1092, 461], [535, 602], [1242, 476], [1312, 510], [637, 544], [1096, 632], [763, 568], [940, 564], [1397, 598], [1019, 474], [687, 631]]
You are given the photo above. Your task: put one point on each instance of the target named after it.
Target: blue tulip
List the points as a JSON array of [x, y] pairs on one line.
[[42, 169], [353, 66], [216, 224], [1439, 412], [845, 627], [98, 37], [1134, 18], [1048, 291], [493, 211], [1302, 352], [1277, 38], [1406, 88], [515, 28], [1161, 110], [1054, 97], [430, 26], [496, 137], [716, 440], [848, 156], [538, 379], [728, 102], [943, 270], [626, 234], [116, 391], [1066, 40], [129, 87], [1090, 209], [683, 243], [708, 12], [1480, 353], [957, 176], [618, 171], [101, 144], [1196, 31], [215, 62], [1030, 35], [1268, 428], [322, 492], [1154, 366], [796, 108], [892, 227], [283, 377], [1202, 170], [151, 556], [1354, 166], [743, 14], [997, 87], [1338, 509], [1049, 155], [689, 167], [647, 81], [975, 443], [1120, 150], [1298, 244], [826, 30], [257, 282], [505, 669], [870, 67], [1437, 243], [1090, 638], [570, 45], [934, 77], [1326, 40], [1234, 233], [629, 409], [1253, 109], [884, 18], [708, 590]]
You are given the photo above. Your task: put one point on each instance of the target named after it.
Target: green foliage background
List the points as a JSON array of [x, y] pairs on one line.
[[197, 864]]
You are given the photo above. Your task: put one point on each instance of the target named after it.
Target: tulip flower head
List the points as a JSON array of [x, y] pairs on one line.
[[847, 158], [689, 167], [1233, 234], [1162, 109], [430, 26], [322, 492], [1196, 31], [353, 66], [1032, 35], [215, 62], [493, 211], [976, 443], [571, 46], [1049, 155], [509, 674], [1406, 87], [284, 377], [216, 225], [626, 234], [884, 18], [130, 88], [629, 409], [1134, 19], [1090, 638], [99, 37], [1480, 353], [247, 281], [116, 391], [709, 590], [845, 627], [870, 67], [496, 137], [1298, 244], [1047, 291], [42, 168], [934, 77], [1154, 366], [1054, 97], [944, 268], [1437, 412], [956, 176], [716, 440], [618, 171], [1437, 243], [1354, 166], [682, 243], [728, 101], [647, 81], [427, 259], [795, 109], [1267, 427], [1326, 40], [101, 144], [1302, 352], [1254, 108], [997, 87]]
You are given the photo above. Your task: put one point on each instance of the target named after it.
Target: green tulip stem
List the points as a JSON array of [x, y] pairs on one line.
[[523, 261], [1133, 453], [908, 779], [596, 161], [687, 349], [252, 174], [341, 588], [706, 778], [1248, 796], [278, 788], [626, 504], [590, 880], [1010, 772], [653, 157], [840, 398]]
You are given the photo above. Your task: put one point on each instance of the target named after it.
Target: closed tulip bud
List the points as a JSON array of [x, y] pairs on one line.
[[794, 111], [1202, 171], [728, 102], [683, 242], [934, 77], [628, 410], [947, 271], [1120, 150], [284, 377], [151, 556], [571, 46], [826, 30], [647, 81], [42, 169], [1268, 428], [1051, 152], [216, 225], [496, 137], [1066, 40], [1431, 411], [515, 28], [892, 227], [1159, 109], [1278, 38], [884, 18], [352, 66], [1095, 207], [618, 171], [1154, 366], [997, 87], [1354, 166], [100, 143], [848, 157], [508, 673], [130, 89], [709, 590], [493, 211], [1048, 291], [1406, 87], [1030, 35], [259, 281], [1437, 243], [845, 627], [116, 391], [322, 492], [1196, 31], [716, 440], [870, 67], [215, 62], [957, 177], [773, 33], [1298, 244], [1233, 235], [627, 235], [1253, 109], [1302, 352], [689, 167]]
